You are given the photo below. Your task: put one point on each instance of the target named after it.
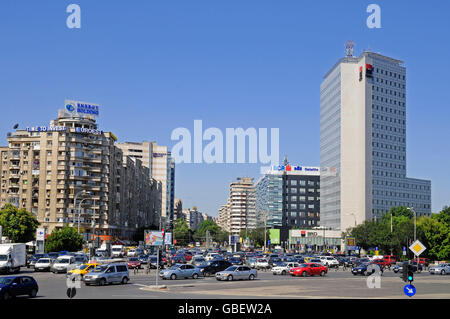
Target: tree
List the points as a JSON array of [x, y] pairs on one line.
[[18, 225], [182, 232], [66, 238], [434, 233], [256, 236], [207, 225]]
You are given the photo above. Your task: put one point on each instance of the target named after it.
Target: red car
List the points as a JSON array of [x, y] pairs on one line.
[[382, 263], [390, 259], [134, 262], [309, 269]]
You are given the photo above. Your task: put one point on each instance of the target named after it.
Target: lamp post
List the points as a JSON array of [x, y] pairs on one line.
[[75, 200], [79, 213], [415, 237]]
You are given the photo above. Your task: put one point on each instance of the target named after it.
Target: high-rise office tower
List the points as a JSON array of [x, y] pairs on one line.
[[363, 142]]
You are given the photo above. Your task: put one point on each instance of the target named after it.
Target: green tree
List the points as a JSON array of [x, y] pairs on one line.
[[434, 233], [66, 238], [256, 236], [182, 233], [18, 225], [203, 227]]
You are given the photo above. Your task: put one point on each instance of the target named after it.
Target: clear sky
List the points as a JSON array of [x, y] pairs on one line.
[[154, 66]]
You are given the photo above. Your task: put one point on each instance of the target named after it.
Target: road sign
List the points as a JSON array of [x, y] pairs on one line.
[[417, 248], [268, 242], [357, 248], [409, 290], [350, 243], [404, 251]]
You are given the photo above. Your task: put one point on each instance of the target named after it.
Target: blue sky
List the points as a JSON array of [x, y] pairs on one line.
[[154, 66]]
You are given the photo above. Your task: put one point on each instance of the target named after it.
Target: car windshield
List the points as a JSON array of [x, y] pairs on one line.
[[232, 268], [134, 259], [43, 261], [282, 265], [62, 261], [303, 265], [100, 268], [6, 280], [3, 257]]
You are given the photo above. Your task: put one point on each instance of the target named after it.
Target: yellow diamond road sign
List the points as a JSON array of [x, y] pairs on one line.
[[417, 248]]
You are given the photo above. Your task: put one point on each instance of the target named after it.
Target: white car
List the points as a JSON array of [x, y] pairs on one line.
[[131, 253], [43, 264], [329, 261], [284, 268], [211, 256], [63, 264], [262, 263]]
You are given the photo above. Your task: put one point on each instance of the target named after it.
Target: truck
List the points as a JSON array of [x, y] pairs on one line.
[[12, 257], [117, 251]]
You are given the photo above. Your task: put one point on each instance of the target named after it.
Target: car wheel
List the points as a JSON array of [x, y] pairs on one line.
[[304, 274], [124, 280], [195, 276], [33, 293], [206, 274], [173, 277], [251, 277], [230, 278], [6, 296], [322, 273], [283, 272], [102, 282], [442, 272]]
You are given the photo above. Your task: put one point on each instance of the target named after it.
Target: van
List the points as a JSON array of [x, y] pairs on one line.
[[63, 264], [107, 274]]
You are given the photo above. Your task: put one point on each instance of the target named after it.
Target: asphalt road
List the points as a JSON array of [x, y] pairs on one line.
[[334, 285]]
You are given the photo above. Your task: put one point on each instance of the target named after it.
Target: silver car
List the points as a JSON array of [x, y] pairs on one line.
[[237, 273], [442, 269], [181, 271], [107, 274]]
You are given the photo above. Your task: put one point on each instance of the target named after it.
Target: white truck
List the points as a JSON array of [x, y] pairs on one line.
[[12, 257], [117, 251]]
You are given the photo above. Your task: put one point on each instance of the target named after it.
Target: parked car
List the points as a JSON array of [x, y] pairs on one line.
[[108, 274], [180, 271], [178, 259], [235, 261], [442, 269], [309, 269], [262, 263], [197, 260], [381, 262], [143, 259], [33, 259], [251, 262], [391, 259], [214, 266], [284, 268], [62, 264], [13, 286], [366, 269], [237, 273], [43, 264], [211, 256], [153, 260], [329, 261], [133, 263]]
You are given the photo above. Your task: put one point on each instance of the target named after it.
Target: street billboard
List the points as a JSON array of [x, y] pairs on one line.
[[274, 235], [168, 239], [350, 243], [153, 238]]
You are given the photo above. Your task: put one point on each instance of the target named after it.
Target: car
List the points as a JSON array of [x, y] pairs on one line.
[[284, 268], [442, 269], [178, 259], [43, 264], [251, 262], [131, 253], [133, 263], [143, 259], [309, 269], [211, 267], [329, 261], [382, 263], [153, 260], [211, 256], [237, 273], [424, 261], [391, 259], [180, 271], [364, 268], [33, 259], [399, 268], [316, 260], [62, 264], [197, 260], [13, 286], [107, 274], [83, 269], [262, 263], [356, 262], [53, 255], [235, 261]]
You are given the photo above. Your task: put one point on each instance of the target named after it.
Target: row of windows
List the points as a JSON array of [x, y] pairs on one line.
[[387, 110], [301, 206], [402, 185], [401, 195], [302, 190], [389, 146], [389, 137], [388, 155], [388, 128], [293, 182], [386, 91], [388, 119], [302, 198], [393, 74], [385, 100], [395, 84], [386, 164]]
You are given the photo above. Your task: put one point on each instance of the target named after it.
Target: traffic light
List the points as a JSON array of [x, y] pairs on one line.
[[410, 273], [405, 267]]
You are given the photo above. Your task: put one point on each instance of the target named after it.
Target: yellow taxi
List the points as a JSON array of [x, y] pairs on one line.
[[83, 269]]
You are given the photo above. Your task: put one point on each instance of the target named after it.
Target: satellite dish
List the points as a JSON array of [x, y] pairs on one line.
[[16, 126]]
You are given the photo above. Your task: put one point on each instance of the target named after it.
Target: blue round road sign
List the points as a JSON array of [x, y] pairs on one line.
[[409, 290]]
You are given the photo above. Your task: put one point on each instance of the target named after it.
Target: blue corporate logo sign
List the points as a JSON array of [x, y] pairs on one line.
[[70, 108], [409, 290]]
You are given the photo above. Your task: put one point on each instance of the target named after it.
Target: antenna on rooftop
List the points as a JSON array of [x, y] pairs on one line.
[[349, 48]]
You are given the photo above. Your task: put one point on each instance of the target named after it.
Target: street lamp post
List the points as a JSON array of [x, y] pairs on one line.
[[79, 213], [75, 200]]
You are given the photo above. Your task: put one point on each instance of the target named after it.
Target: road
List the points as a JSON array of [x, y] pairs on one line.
[[334, 285]]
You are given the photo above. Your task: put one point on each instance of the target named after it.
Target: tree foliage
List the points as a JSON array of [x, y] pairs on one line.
[[66, 238], [433, 232], [18, 225], [182, 233], [256, 236]]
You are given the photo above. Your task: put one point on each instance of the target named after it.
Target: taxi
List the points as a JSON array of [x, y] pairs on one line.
[[83, 269]]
